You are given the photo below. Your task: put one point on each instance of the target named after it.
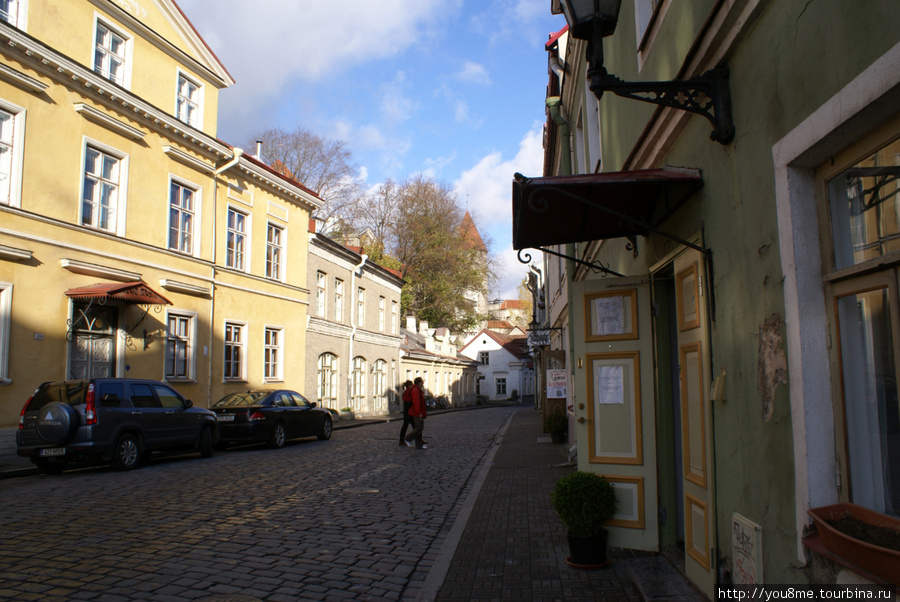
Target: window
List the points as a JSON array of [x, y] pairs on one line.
[[358, 383], [110, 54], [274, 252], [501, 386], [360, 306], [338, 299], [236, 244], [100, 192], [168, 398], [379, 385], [180, 345], [6, 289], [234, 351], [327, 381], [320, 294], [273, 355], [10, 11], [181, 218], [484, 357], [11, 129], [863, 204], [394, 317], [381, 309], [187, 105]]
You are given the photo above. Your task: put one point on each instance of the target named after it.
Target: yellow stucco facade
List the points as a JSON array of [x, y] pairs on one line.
[[110, 174]]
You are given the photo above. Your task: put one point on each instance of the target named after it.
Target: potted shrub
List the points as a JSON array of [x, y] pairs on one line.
[[557, 425], [585, 501], [347, 414]]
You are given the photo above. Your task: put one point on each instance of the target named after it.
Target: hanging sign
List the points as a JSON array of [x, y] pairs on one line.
[[557, 383]]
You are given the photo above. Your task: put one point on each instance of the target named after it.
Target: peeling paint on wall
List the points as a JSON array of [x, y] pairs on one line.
[[772, 369]]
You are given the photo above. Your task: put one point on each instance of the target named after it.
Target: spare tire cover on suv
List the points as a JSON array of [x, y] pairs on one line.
[[56, 422]]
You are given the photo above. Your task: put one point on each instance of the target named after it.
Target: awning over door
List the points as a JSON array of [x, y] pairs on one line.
[[562, 209], [137, 293]]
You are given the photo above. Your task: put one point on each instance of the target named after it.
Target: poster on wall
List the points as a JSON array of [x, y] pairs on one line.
[[557, 384]]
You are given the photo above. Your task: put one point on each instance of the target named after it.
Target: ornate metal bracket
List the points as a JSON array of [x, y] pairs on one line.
[[708, 95], [596, 266]]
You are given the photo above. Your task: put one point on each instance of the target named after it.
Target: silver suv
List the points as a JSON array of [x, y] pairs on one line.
[[118, 420]]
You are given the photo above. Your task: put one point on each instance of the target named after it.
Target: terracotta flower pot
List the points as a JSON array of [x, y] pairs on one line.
[[881, 562]]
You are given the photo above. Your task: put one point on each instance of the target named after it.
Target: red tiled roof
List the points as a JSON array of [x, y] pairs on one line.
[[470, 233]]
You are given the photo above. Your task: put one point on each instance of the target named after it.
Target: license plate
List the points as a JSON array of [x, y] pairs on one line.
[[225, 418], [53, 451]]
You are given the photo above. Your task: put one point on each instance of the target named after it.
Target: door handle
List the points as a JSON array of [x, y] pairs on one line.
[[582, 420]]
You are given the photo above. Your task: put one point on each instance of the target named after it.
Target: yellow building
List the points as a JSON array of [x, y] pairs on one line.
[[132, 241]]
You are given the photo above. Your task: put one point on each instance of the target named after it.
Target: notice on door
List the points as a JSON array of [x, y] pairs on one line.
[[557, 384]]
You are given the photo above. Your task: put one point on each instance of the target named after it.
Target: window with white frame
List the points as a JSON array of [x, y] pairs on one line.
[[360, 306], [381, 316], [358, 383], [327, 381], [379, 385], [338, 299], [180, 345], [100, 189], [111, 54], [484, 357], [6, 290], [10, 11], [501, 386], [395, 314], [187, 104], [320, 294], [274, 252], [273, 362], [236, 244], [11, 128], [181, 217], [234, 351]]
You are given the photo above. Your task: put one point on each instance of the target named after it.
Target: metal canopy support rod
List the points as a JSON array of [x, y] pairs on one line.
[[596, 266]]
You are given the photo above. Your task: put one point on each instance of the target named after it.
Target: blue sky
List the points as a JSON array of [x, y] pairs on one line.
[[453, 89]]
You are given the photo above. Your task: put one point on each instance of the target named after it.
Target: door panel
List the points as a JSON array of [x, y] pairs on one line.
[[614, 401], [691, 300]]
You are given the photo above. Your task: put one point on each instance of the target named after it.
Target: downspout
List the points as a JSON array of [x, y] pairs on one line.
[[354, 315], [235, 159]]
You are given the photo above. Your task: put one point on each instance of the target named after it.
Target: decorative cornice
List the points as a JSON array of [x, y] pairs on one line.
[[188, 160], [100, 271], [21, 80], [14, 253], [101, 118], [187, 289]]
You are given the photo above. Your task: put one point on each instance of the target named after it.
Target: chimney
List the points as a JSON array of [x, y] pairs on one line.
[[411, 323], [259, 149], [423, 328]]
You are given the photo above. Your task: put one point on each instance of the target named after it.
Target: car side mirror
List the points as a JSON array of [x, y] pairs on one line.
[[188, 403], [312, 404]]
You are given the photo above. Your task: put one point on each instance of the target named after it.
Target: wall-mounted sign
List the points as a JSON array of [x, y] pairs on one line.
[[557, 384]]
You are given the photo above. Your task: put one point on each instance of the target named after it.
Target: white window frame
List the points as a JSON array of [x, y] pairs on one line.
[[498, 381], [379, 384], [16, 144], [244, 235], [394, 316], [241, 345], [121, 186], [358, 383], [273, 369], [360, 306], [327, 388], [196, 195], [6, 294], [17, 14], [190, 342], [338, 300], [196, 118], [484, 358], [275, 252], [125, 56], [321, 291], [381, 312]]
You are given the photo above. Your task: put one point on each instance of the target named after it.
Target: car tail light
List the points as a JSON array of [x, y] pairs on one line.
[[256, 416], [25, 408], [90, 410]]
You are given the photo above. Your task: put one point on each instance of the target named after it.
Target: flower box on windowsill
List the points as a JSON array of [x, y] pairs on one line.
[[880, 562]]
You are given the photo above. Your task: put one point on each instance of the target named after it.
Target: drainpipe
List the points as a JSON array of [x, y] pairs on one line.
[[354, 315], [235, 159]]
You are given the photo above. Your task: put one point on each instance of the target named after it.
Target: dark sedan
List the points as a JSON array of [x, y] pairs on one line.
[[270, 416]]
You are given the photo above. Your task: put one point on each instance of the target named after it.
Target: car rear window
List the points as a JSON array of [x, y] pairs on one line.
[[240, 399], [71, 393]]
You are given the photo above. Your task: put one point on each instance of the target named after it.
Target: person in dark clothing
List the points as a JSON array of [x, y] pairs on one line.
[[407, 404], [417, 412]]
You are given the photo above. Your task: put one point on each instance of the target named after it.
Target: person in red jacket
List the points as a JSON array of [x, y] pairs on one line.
[[417, 413], [407, 404]]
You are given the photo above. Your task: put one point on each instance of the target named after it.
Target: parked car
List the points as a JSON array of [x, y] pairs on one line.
[[118, 420], [270, 416]]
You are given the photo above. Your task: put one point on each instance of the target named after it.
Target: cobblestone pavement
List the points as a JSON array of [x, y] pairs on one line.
[[356, 517]]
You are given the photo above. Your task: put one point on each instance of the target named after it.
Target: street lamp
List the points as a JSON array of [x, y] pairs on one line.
[[707, 95]]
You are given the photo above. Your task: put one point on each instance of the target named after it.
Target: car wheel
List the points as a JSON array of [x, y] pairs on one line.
[[206, 443], [127, 453], [56, 422], [51, 466], [278, 437], [327, 428]]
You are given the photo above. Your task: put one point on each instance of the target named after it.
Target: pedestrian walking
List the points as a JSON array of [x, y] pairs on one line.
[[417, 412], [407, 404]]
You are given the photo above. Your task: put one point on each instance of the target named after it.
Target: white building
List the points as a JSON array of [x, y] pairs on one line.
[[504, 365]]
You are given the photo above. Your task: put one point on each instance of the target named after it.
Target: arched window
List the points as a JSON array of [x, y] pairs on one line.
[[327, 381], [358, 384], [380, 386]]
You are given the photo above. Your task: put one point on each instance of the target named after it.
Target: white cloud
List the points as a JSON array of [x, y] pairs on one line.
[[474, 73]]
